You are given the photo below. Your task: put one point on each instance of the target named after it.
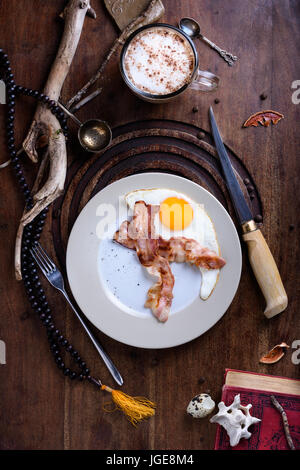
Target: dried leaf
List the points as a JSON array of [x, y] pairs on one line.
[[264, 118], [275, 354]]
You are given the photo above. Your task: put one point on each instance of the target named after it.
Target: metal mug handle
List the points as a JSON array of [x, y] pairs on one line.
[[205, 81]]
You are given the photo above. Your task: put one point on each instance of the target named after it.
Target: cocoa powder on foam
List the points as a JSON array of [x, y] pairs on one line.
[[159, 62]]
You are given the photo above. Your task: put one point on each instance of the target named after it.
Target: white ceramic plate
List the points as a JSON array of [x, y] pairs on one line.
[[110, 285]]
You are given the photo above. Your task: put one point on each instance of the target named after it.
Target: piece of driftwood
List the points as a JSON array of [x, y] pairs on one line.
[[85, 100], [285, 422], [42, 168], [45, 123], [151, 14]]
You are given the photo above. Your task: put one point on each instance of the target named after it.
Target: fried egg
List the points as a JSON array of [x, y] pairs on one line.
[[180, 216]]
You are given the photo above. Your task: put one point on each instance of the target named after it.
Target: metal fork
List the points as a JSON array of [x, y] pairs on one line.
[[55, 278]]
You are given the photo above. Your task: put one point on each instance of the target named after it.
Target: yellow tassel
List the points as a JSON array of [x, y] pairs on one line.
[[135, 408]]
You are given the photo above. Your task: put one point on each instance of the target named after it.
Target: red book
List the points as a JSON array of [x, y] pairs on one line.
[[257, 389]]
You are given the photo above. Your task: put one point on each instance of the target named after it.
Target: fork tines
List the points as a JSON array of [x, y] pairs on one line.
[[42, 259]]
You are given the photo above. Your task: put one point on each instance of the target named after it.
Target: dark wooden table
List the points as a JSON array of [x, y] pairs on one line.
[[40, 409]]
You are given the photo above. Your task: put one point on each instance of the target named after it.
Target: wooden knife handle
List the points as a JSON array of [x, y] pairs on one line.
[[266, 273]]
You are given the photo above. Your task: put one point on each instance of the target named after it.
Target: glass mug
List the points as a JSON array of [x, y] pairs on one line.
[[199, 80]]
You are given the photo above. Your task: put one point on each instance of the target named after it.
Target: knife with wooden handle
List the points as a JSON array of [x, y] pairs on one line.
[[260, 256]]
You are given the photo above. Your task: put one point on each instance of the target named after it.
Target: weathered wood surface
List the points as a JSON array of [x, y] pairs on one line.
[[40, 409]]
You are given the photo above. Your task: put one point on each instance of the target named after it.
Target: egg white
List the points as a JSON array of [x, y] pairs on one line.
[[200, 229]]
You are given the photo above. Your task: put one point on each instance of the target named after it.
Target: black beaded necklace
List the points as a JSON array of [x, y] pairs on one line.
[[135, 408], [32, 232]]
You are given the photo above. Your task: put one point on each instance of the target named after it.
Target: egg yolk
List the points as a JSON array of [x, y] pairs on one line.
[[175, 213]]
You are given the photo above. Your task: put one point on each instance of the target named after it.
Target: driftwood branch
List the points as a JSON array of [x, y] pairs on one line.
[[45, 123], [85, 100], [152, 13], [18, 246], [285, 422]]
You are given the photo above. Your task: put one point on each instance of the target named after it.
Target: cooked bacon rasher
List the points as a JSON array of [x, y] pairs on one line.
[[177, 249], [156, 253], [181, 250], [140, 229]]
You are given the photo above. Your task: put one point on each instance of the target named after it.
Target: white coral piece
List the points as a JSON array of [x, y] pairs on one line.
[[236, 419]]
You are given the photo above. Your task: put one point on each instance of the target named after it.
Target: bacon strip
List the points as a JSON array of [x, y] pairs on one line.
[[140, 236], [156, 253], [183, 250], [178, 249], [121, 236]]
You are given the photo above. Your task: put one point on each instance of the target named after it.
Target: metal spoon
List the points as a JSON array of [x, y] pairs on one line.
[[190, 27], [93, 135]]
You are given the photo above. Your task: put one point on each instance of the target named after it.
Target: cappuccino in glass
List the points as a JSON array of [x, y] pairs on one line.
[[159, 61]]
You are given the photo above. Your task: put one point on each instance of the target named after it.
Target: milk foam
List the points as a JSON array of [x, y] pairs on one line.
[[159, 61]]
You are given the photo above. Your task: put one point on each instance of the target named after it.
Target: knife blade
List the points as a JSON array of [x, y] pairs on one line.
[[260, 256], [240, 205]]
